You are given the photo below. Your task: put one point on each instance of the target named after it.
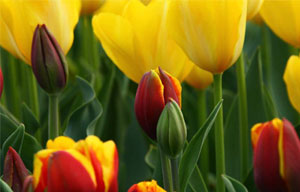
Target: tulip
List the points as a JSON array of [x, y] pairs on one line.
[[253, 7], [48, 61], [88, 7], [14, 172], [88, 165], [146, 186], [292, 81], [133, 46], [154, 91], [199, 78], [210, 32], [276, 159], [171, 130], [1, 82], [18, 20], [283, 19]]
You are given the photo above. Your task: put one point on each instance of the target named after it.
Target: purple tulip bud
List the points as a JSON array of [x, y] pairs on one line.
[[14, 172], [48, 61]]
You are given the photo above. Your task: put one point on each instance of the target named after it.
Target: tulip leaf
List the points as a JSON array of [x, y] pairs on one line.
[[7, 127], [249, 182], [4, 187], [193, 149], [83, 119], [151, 157], [233, 185], [197, 182], [30, 121]]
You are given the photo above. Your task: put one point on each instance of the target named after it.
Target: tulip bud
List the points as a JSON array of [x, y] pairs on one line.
[[48, 61], [28, 184], [14, 172], [154, 91], [276, 159], [1, 82], [171, 130], [146, 186]]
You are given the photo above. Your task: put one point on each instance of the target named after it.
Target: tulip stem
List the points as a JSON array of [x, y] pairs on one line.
[[219, 134], [243, 116], [166, 171], [53, 120], [175, 173], [266, 55]]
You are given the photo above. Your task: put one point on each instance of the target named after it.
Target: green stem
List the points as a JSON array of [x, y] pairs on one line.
[[202, 114], [33, 93], [243, 115], [175, 173], [166, 170], [266, 55], [219, 134], [53, 120]]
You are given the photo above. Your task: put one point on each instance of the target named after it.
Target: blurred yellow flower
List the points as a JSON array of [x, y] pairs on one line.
[[210, 32], [88, 7], [253, 7], [136, 40], [199, 78], [19, 18], [292, 81], [283, 17]]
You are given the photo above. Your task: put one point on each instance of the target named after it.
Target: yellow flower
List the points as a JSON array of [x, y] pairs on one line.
[[211, 32], [88, 165], [253, 7], [19, 18], [199, 78], [90, 6], [137, 41], [292, 81], [283, 17], [146, 186]]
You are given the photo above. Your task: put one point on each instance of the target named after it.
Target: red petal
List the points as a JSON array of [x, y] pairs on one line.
[[291, 150], [65, 173], [98, 172], [266, 161], [149, 102], [114, 182], [172, 87], [133, 188]]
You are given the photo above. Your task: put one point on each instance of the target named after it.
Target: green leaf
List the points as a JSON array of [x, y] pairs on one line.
[[249, 182], [151, 157], [192, 151], [15, 140], [7, 128], [4, 186], [233, 185], [83, 119], [30, 121], [197, 182]]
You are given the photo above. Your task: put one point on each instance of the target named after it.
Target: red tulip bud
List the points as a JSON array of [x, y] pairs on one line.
[[48, 61], [14, 172], [1, 82], [154, 91], [276, 149]]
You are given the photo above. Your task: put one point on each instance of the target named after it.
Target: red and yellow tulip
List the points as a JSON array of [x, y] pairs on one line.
[[276, 149], [154, 91], [133, 45], [88, 165], [19, 18], [146, 186]]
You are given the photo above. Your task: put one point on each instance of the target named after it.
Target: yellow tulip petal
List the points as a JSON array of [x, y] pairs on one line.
[[253, 7], [116, 36], [292, 81], [113, 6], [60, 143], [90, 6], [60, 16], [210, 32], [283, 17], [199, 78]]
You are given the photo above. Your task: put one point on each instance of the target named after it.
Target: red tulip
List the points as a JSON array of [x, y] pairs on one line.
[[276, 149], [154, 91], [146, 186], [14, 172]]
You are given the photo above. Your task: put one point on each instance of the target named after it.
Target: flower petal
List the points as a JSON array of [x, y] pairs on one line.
[[199, 78]]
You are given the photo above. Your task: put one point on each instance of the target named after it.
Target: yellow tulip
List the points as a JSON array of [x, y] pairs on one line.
[[199, 78], [253, 7], [137, 41], [211, 32], [283, 17], [90, 6], [19, 18], [292, 81]]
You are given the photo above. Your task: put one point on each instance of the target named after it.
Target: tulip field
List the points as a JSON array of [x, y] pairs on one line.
[[150, 95]]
